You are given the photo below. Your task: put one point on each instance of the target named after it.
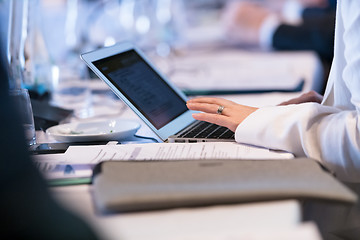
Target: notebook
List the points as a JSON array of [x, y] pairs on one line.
[[160, 104], [151, 185]]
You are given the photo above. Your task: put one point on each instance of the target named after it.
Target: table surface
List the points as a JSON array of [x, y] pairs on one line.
[[216, 222]]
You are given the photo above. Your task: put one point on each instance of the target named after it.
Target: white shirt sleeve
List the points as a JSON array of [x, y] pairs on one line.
[[328, 132]]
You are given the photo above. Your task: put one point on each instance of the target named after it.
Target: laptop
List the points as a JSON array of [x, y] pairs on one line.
[[159, 103]]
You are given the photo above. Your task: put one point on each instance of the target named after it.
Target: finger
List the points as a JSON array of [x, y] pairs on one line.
[[218, 101], [220, 120], [203, 107], [311, 96], [207, 108], [291, 101]]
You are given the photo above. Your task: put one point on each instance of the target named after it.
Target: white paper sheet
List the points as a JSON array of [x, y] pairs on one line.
[[169, 151], [79, 161]]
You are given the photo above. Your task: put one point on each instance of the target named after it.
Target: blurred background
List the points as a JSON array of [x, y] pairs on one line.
[[44, 38]]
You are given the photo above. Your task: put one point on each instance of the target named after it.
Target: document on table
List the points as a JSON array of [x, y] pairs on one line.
[[169, 151], [78, 161], [253, 72]]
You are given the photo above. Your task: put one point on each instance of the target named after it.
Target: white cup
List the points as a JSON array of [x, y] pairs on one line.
[[21, 99]]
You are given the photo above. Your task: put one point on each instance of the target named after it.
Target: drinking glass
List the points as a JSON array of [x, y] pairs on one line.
[[21, 99], [71, 91]]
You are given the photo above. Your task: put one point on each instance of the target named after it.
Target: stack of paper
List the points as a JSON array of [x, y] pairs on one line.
[[78, 161]]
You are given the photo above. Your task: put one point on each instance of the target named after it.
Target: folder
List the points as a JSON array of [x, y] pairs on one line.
[[125, 186]]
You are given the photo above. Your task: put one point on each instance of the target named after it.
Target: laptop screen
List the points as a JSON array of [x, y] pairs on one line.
[[143, 87]]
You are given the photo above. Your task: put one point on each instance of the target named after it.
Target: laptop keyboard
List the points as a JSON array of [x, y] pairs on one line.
[[208, 130]]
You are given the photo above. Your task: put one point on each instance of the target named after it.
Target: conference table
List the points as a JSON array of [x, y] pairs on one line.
[[283, 219]]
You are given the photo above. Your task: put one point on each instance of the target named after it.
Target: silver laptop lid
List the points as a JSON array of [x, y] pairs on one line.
[[135, 80]]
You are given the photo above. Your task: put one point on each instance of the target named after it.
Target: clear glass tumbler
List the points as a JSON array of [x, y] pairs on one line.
[[21, 99]]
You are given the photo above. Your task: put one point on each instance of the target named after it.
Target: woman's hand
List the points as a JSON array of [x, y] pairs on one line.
[[231, 116], [311, 96]]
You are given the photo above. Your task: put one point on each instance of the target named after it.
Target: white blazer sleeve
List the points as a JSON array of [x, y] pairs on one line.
[[328, 132]]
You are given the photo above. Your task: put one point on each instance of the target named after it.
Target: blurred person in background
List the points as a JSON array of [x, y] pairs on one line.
[[297, 25]]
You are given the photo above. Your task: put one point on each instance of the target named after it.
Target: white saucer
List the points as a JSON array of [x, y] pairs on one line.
[[114, 129]]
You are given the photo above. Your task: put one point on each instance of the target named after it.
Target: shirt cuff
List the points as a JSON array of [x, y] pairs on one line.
[[244, 131], [267, 31], [253, 129]]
